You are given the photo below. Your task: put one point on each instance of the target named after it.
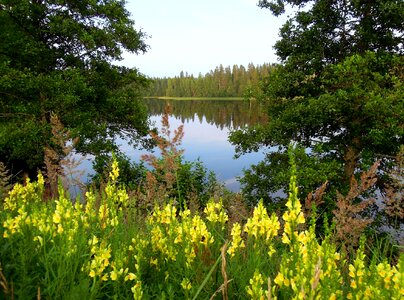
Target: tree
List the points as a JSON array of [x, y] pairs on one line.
[[221, 82], [58, 58], [338, 90]]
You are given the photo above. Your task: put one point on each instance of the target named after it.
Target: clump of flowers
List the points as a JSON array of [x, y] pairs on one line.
[[215, 213], [308, 266], [17, 206], [262, 228], [101, 255]]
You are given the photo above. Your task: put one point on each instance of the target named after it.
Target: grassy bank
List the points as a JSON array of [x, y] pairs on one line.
[[196, 98]]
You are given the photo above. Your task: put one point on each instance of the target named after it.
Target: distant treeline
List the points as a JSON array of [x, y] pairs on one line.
[[221, 82]]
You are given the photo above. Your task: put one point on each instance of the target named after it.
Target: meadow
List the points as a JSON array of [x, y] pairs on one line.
[[107, 248]]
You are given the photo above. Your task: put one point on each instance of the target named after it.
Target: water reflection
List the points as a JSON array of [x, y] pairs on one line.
[[221, 113], [207, 124]]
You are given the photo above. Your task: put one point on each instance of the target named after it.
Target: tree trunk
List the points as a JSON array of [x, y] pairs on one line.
[[351, 158]]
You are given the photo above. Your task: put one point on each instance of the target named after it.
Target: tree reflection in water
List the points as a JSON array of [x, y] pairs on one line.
[[207, 125]]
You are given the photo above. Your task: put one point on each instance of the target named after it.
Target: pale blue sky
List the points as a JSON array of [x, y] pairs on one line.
[[197, 35]]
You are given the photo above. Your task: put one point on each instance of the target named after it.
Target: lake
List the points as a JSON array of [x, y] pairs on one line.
[[207, 124]]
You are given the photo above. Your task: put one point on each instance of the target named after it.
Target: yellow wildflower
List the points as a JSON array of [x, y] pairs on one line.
[[261, 225], [279, 279], [56, 218], [351, 271], [137, 291], [114, 275], [130, 276], [237, 240], [255, 289], [154, 261], [114, 174], [186, 284], [215, 212], [199, 232]]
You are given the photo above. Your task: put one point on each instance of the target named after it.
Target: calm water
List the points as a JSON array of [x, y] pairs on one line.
[[207, 124]]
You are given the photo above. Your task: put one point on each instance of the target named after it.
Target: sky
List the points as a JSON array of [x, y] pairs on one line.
[[195, 36]]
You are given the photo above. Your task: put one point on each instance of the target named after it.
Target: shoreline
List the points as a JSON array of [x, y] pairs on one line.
[[194, 98]]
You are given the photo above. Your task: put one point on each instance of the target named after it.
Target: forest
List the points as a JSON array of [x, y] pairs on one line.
[[164, 227], [236, 81]]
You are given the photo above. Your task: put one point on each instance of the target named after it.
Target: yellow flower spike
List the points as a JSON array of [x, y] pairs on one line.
[[186, 284], [255, 289], [261, 226], [114, 174], [185, 214], [199, 232], [190, 255], [215, 212], [137, 291], [237, 241]]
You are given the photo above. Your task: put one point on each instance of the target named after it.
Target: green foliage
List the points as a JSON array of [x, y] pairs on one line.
[[237, 81], [338, 90], [195, 182], [131, 174], [56, 58], [170, 176], [268, 179]]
